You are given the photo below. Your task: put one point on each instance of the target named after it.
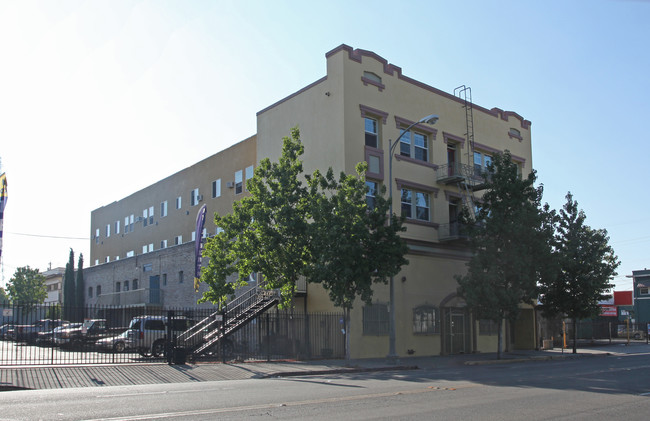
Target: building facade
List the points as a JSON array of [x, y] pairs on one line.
[[348, 116], [54, 285], [641, 292]]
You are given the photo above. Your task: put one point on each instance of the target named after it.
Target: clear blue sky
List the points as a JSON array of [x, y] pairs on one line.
[[100, 99]]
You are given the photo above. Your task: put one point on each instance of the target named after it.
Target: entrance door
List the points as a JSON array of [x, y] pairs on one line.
[[457, 332], [451, 160], [154, 289]]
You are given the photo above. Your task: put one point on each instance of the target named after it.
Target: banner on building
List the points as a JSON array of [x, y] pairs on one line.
[[3, 202], [608, 311], [198, 245]]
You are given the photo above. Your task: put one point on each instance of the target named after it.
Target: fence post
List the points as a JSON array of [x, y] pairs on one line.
[[268, 338]]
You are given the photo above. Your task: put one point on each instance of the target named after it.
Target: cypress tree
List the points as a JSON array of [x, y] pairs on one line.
[[79, 301], [69, 288]]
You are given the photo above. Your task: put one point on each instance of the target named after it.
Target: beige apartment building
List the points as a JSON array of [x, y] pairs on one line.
[[349, 115]]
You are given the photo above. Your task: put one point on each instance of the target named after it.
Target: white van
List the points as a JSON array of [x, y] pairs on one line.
[[148, 334]]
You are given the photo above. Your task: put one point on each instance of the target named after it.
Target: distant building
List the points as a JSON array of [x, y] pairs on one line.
[[54, 285], [141, 250], [641, 284]]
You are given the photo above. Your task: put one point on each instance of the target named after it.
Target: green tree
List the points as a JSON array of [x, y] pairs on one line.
[[4, 298], [352, 244], [510, 242], [69, 288], [585, 263], [266, 231], [27, 286], [80, 285]]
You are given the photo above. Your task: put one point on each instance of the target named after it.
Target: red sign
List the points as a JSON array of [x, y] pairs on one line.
[[608, 311], [623, 298]]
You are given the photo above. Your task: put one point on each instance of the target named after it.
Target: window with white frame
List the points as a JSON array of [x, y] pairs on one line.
[[178, 240], [194, 197], [239, 182], [108, 230], [108, 259], [163, 244], [150, 247], [130, 253], [163, 209], [250, 171], [416, 205], [371, 130], [371, 193], [216, 188], [145, 217], [151, 215], [414, 145], [97, 236], [117, 227], [131, 222], [179, 202], [193, 235], [144, 249], [481, 163], [126, 225], [426, 320]]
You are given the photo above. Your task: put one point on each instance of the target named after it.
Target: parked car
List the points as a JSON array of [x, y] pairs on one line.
[[89, 332], [632, 332], [119, 343], [4, 330], [48, 338], [29, 333], [150, 333]]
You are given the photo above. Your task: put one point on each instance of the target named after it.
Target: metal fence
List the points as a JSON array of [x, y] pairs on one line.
[[598, 331], [40, 335]]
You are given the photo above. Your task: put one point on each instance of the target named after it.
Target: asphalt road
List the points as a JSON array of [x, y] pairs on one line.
[[598, 388]]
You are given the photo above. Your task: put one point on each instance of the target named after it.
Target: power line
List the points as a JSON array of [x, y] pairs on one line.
[[47, 236]]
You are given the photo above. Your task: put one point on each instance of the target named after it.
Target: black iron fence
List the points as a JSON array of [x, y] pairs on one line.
[[39, 335], [598, 331]]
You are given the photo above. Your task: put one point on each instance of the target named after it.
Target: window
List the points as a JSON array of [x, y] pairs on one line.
[[144, 249], [164, 280], [643, 291], [180, 277], [163, 209], [372, 137], [239, 182], [147, 268], [178, 240], [130, 253], [418, 201], [131, 221], [417, 149], [425, 320], [108, 230], [135, 284], [216, 188], [370, 194], [194, 197], [375, 319], [250, 171], [126, 225], [371, 76], [117, 287], [179, 202], [108, 259], [481, 163], [117, 227], [488, 327], [90, 292], [163, 244], [193, 235], [145, 217], [150, 247], [99, 290], [97, 236], [151, 215], [126, 285]]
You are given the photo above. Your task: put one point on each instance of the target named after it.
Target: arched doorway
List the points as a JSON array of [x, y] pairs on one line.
[[456, 326]]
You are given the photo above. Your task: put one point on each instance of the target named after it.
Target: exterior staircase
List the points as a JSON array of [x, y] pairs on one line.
[[205, 336]]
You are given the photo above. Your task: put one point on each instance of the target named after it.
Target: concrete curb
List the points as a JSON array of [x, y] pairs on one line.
[[535, 358], [345, 370]]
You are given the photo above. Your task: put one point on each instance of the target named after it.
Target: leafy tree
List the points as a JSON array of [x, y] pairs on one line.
[[27, 286], [265, 233], [585, 265], [80, 285], [4, 298], [352, 244], [69, 289], [510, 243]]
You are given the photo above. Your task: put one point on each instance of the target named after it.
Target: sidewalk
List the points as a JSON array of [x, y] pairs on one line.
[[57, 377]]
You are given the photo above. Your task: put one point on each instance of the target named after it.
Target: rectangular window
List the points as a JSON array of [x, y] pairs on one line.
[[418, 201], [370, 194], [99, 290], [179, 202], [117, 227], [643, 291], [375, 319], [372, 138], [97, 236], [131, 222], [163, 209], [239, 182], [488, 327], [151, 215], [164, 279], [250, 171], [481, 163], [126, 285], [417, 149], [216, 188], [163, 244], [178, 240], [126, 225], [145, 217], [144, 249], [194, 197], [118, 287], [193, 235], [147, 268], [180, 277], [150, 247], [108, 230], [425, 320], [108, 259], [135, 284], [130, 253]]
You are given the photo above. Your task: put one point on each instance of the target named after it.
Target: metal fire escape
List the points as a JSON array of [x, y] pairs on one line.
[[206, 335]]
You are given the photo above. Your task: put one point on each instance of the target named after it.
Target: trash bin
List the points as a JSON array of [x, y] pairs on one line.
[[180, 356]]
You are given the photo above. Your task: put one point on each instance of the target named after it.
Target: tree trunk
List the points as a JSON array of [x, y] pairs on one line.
[[575, 335], [500, 338], [347, 333]]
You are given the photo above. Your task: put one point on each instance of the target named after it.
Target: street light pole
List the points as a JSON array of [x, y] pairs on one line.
[[430, 119]]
